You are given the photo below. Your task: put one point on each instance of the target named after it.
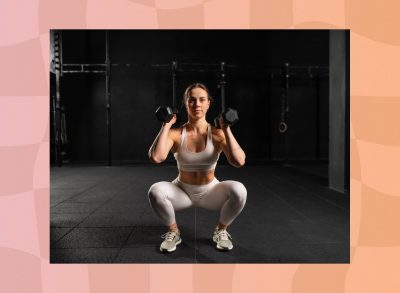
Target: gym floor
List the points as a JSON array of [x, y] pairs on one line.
[[102, 215]]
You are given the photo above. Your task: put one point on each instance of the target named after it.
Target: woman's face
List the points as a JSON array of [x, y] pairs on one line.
[[197, 103]]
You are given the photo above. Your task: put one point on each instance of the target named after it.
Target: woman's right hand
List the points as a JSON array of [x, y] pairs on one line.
[[171, 122]]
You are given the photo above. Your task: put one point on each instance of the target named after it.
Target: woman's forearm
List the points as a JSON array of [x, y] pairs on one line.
[[159, 150], [236, 155]]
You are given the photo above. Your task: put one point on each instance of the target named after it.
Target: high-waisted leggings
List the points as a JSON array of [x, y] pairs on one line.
[[229, 197]]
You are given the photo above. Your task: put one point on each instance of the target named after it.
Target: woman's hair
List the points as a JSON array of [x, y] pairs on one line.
[[188, 90]]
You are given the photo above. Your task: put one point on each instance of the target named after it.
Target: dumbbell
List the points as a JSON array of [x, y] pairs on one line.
[[165, 114], [230, 117]]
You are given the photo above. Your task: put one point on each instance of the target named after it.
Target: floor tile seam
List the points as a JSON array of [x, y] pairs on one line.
[[126, 240], [70, 229], [74, 226], [91, 215], [143, 212], [124, 243], [78, 224], [122, 188], [320, 197], [111, 198], [284, 201], [113, 195], [99, 206], [76, 194], [116, 224], [61, 212], [91, 187]]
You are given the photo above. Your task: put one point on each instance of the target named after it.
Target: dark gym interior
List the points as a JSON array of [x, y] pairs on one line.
[[291, 91]]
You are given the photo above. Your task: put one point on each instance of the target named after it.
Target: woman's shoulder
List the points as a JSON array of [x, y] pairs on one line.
[[176, 132]]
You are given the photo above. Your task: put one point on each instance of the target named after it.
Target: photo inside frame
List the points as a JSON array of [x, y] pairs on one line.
[[266, 183]]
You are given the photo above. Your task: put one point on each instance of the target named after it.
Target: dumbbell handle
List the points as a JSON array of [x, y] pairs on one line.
[[216, 121]]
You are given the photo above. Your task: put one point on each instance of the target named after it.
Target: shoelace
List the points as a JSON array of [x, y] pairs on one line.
[[223, 235], [169, 236]]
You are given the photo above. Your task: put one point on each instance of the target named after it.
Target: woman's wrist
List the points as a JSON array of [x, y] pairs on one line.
[[225, 128], [166, 125]]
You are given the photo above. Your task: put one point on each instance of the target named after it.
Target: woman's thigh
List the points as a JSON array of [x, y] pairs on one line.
[[169, 191], [215, 198]]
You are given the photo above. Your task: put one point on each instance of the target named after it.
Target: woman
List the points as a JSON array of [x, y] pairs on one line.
[[196, 147]]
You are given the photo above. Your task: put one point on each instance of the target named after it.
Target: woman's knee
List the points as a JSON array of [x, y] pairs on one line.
[[156, 193], [238, 192]]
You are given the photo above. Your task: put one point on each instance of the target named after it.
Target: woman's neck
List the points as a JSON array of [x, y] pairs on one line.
[[200, 125]]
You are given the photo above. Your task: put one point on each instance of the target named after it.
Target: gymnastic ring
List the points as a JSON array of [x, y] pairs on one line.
[[282, 127]]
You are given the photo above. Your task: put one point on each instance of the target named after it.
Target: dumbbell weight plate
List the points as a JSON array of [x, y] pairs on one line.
[[231, 116], [164, 114]]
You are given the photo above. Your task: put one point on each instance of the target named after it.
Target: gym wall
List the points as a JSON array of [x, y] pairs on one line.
[[137, 91]]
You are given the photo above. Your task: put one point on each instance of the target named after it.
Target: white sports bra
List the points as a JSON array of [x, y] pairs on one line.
[[202, 161]]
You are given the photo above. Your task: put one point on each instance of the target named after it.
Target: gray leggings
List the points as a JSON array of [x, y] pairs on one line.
[[227, 196]]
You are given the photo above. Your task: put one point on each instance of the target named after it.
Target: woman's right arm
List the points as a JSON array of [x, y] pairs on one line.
[[163, 143]]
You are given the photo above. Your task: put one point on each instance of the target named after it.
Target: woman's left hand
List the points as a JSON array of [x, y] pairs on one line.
[[222, 122]]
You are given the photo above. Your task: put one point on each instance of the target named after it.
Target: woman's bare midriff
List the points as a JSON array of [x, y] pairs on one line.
[[196, 178]]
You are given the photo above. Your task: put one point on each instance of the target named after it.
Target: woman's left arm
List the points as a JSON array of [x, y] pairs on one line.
[[231, 148]]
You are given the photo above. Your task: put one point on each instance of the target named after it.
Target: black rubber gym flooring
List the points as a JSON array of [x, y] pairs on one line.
[[102, 215]]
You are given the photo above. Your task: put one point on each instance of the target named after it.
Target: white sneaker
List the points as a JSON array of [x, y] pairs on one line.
[[172, 239], [223, 239]]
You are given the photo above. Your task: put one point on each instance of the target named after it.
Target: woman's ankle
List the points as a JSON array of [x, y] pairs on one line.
[[222, 226], [173, 227]]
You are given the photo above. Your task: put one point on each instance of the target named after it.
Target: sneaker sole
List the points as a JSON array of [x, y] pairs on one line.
[[172, 249], [222, 248]]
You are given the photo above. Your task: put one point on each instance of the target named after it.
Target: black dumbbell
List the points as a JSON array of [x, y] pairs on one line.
[[165, 114], [230, 117]]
